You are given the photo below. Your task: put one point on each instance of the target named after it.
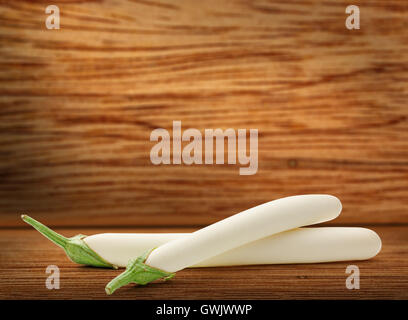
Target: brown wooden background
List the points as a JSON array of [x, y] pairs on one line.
[[77, 106]]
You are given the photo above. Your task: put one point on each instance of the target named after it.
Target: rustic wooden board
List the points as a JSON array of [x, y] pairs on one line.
[[25, 254], [77, 106]]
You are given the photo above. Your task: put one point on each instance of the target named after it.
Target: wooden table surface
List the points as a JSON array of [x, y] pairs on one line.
[[25, 254]]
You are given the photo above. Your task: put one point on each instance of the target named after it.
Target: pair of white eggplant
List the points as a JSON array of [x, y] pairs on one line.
[[267, 234]]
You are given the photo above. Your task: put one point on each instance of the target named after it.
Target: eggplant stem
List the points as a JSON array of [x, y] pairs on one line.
[[75, 248], [55, 237], [137, 272]]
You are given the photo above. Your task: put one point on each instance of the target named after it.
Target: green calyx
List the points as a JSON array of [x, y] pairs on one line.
[[137, 272], [75, 248]]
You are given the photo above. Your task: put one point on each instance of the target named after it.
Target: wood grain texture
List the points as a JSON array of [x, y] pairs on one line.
[[77, 106], [25, 254]]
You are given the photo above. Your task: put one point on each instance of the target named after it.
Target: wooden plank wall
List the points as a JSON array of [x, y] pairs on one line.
[[77, 106]]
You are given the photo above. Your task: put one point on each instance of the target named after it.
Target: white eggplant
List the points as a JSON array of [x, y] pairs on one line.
[[302, 245], [242, 228], [266, 234]]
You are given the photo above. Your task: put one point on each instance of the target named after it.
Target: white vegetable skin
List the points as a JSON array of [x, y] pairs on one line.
[[302, 245], [119, 248], [250, 225]]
